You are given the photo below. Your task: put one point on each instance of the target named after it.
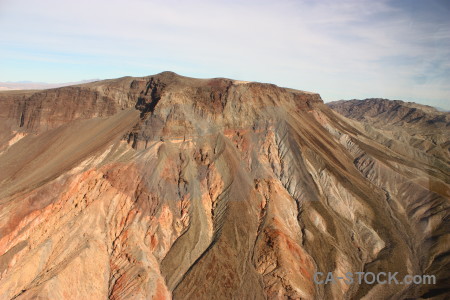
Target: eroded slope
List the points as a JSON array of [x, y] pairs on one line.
[[209, 189]]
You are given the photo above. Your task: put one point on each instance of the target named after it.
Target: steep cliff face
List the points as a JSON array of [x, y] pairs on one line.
[[35, 112], [171, 187]]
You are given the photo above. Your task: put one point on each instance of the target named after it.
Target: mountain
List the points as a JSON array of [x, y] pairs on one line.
[[408, 125], [166, 187], [393, 112], [29, 85]]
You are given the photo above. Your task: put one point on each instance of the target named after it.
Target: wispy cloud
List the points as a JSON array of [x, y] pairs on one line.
[[341, 49]]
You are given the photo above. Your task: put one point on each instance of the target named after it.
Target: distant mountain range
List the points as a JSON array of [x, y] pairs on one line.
[[391, 111], [30, 85]]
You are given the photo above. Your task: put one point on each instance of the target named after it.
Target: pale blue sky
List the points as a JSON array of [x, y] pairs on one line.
[[340, 49]]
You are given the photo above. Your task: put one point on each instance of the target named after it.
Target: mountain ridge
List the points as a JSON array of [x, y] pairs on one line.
[[172, 187], [424, 128]]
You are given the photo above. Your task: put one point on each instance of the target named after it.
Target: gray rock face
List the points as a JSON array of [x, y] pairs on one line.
[[171, 187]]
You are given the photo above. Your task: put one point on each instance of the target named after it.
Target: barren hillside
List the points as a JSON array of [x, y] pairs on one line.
[[165, 187]]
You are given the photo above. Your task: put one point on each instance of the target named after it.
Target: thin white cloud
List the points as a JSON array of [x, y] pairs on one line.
[[337, 48]]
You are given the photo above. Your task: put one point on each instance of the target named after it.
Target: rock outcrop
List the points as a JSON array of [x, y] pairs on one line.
[[171, 187]]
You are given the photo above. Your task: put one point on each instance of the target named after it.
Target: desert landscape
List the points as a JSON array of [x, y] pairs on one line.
[[170, 187]]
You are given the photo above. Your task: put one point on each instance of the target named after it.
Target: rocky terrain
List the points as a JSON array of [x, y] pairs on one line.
[[165, 187], [415, 126]]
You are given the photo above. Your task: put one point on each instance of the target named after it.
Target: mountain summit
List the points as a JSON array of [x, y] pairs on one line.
[[166, 187]]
